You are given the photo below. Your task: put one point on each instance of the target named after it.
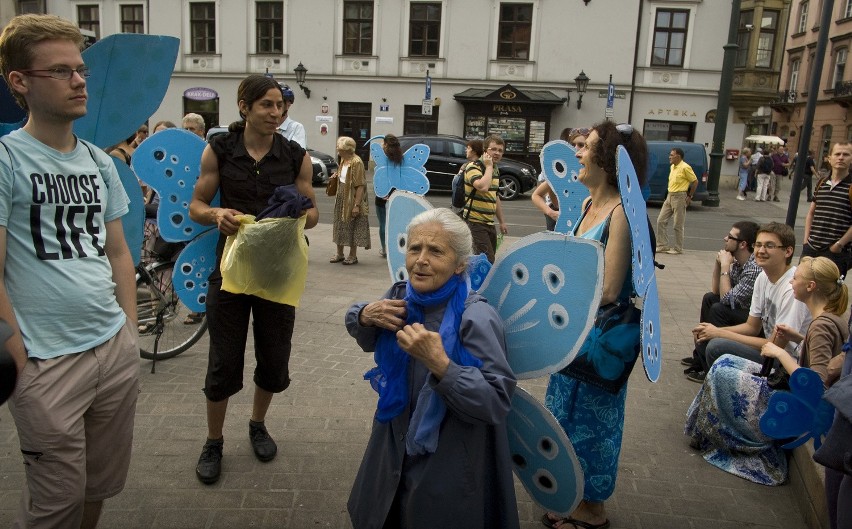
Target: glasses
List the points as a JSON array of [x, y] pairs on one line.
[[730, 237], [62, 73], [495, 149], [767, 245], [626, 130]]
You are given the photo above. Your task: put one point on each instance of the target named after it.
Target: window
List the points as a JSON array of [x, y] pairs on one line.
[[89, 17], [424, 29], [30, 6], [270, 27], [803, 18], [794, 74], [839, 66], [827, 131], [202, 27], [766, 39], [132, 18], [744, 37], [513, 35], [847, 9], [848, 132], [358, 28], [669, 37], [811, 59]]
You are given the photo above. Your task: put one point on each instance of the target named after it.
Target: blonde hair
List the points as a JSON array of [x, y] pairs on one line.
[[345, 143], [829, 283], [20, 36]]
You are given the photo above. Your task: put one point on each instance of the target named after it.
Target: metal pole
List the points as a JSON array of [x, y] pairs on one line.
[[724, 102], [810, 110]]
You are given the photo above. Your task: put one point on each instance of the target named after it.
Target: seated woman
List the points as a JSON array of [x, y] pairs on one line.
[[438, 455], [724, 419]]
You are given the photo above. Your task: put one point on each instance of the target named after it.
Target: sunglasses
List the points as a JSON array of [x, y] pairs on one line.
[[626, 131], [583, 131]]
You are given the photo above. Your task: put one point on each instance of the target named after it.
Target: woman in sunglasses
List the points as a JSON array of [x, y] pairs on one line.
[[598, 375], [543, 197]]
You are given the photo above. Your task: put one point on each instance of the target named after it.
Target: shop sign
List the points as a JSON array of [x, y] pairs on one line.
[[676, 112], [325, 119], [506, 109], [199, 93]]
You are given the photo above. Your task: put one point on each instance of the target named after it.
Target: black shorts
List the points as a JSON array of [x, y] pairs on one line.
[[228, 322]]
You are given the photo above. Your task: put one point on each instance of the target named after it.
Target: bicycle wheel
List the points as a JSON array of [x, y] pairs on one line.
[[155, 296]]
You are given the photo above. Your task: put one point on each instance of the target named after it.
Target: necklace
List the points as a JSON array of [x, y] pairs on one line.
[[599, 210]]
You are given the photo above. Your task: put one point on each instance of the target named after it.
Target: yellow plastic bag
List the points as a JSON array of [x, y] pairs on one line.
[[267, 259]]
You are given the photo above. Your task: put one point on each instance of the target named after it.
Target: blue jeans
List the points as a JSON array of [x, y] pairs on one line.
[[381, 213], [722, 346]]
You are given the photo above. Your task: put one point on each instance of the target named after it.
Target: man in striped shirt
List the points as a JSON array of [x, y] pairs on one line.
[[828, 224], [480, 212]]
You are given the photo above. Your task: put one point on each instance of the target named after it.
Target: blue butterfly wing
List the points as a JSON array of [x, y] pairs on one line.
[[637, 218], [192, 270], [413, 173], [130, 76], [547, 289], [477, 270], [402, 207], [651, 344], [542, 456], [561, 169], [170, 162], [381, 177], [799, 413], [133, 222]]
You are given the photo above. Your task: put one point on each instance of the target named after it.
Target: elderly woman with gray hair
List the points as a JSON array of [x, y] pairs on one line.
[[438, 455], [351, 216]]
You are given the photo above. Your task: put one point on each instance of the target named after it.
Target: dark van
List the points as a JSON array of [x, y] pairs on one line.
[[658, 167]]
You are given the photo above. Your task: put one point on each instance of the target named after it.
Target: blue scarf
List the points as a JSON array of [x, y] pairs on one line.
[[390, 376]]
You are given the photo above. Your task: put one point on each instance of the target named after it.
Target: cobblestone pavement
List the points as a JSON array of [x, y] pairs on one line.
[[322, 422]]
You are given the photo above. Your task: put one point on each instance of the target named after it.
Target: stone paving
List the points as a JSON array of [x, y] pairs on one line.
[[322, 422]]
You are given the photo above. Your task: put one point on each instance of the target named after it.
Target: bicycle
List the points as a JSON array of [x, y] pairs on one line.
[[162, 332]]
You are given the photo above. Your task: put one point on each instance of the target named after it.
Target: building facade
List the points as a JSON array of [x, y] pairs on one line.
[[834, 95], [505, 67]]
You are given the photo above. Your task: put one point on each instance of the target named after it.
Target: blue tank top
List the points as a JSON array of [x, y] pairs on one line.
[[596, 233]]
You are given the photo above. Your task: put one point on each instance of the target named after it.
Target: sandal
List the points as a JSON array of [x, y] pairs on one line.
[[350, 261], [193, 318], [336, 259]]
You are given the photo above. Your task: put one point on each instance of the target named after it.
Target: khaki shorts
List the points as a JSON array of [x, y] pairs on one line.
[[74, 416]]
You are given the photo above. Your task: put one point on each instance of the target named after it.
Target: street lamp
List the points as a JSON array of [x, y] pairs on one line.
[[582, 81], [300, 72]]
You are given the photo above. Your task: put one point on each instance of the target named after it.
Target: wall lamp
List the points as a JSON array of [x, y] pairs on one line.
[[586, 2], [582, 81], [300, 72]]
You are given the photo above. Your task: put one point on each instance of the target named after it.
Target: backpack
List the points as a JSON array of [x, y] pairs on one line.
[[765, 165], [459, 199]]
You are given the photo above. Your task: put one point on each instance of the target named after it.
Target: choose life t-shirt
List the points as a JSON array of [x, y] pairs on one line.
[[55, 207]]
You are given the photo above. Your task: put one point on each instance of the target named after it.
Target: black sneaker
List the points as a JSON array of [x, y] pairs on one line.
[[697, 376], [692, 369], [210, 463], [263, 445], [687, 361]]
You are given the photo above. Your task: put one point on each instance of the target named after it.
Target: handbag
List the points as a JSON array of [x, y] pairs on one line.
[[607, 356], [331, 188]]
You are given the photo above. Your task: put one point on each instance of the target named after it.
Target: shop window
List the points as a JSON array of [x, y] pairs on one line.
[[839, 66], [766, 39], [357, 28], [744, 37], [202, 24], [416, 123], [803, 17], [424, 29], [513, 35], [670, 30], [270, 27], [132, 18], [89, 18], [668, 130]]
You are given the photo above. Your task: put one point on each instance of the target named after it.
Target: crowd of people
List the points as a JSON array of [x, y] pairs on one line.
[[438, 452]]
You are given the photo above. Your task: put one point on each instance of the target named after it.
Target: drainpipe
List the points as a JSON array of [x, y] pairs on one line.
[[635, 62]]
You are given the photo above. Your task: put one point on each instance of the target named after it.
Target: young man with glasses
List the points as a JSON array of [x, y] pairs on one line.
[[772, 303], [731, 286], [682, 185], [828, 224], [485, 205], [67, 285]]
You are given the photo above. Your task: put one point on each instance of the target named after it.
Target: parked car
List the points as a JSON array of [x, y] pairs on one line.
[[323, 164], [659, 167], [446, 156]]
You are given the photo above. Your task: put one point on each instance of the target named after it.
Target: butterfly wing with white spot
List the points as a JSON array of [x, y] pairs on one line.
[[170, 162], [546, 288], [561, 169], [192, 268], [402, 207], [651, 343], [413, 171], [637, 218], [542, 456]]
